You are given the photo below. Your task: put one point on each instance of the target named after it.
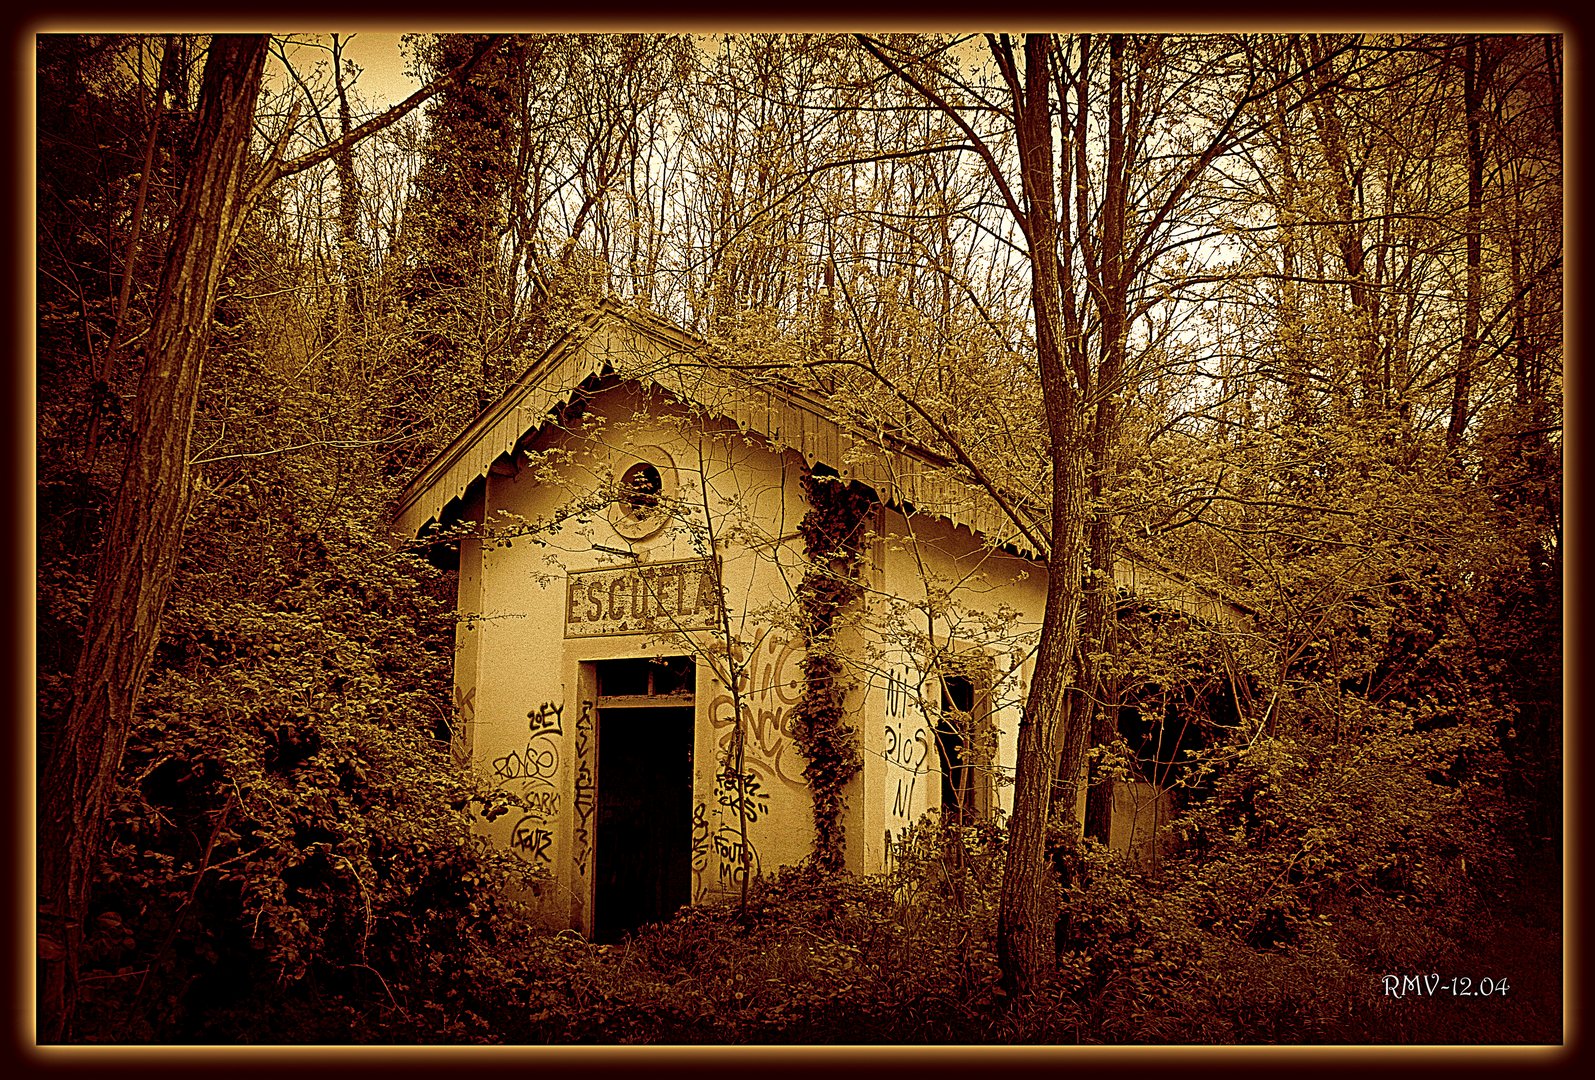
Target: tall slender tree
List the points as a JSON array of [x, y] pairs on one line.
[[144, 535], [142, 541]]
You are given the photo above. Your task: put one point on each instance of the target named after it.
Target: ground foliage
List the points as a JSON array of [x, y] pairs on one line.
[[290, 855], [908, 957]]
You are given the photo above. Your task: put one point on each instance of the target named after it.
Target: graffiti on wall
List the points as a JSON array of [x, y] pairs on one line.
[[545, 719], [537, 763], [897, 696], [735, 800], [533, 771], [542, 804], [584, 797], [907, 750], [700, 849], [908, 754], [775, 683], [532, 840], [728, 847], [464, 714]]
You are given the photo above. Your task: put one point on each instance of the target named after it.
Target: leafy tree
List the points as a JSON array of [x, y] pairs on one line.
[[146, 521], [1045, 178]]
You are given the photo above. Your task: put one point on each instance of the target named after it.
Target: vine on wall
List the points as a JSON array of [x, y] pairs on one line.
[[833, 531]]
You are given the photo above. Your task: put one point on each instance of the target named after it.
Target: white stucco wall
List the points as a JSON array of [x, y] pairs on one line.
[[525, 693], [936, 586], [525, 664]]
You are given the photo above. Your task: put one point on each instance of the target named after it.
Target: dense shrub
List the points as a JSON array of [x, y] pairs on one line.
[[289, 854], [1315, 882]]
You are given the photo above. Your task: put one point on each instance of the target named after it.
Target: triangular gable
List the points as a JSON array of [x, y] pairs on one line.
[[649, 349], [549, 383]]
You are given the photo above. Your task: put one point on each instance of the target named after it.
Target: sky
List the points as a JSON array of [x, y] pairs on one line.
[[382, 78]]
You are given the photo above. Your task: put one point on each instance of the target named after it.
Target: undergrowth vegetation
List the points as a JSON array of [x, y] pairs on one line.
[[291, 859], [905, 957], [908, 957]]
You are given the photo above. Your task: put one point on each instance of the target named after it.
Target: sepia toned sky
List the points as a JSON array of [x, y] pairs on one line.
[[382, 78]]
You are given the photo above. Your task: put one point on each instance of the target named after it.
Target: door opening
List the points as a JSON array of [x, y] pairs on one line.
[[643, 856]]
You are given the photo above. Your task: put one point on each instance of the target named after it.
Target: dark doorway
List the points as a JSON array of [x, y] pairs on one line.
[[643, 861]]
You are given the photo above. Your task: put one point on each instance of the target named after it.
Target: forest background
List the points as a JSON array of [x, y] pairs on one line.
[[1285, 311]]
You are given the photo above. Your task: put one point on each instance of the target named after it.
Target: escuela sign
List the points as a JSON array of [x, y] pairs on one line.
[[654, 598]]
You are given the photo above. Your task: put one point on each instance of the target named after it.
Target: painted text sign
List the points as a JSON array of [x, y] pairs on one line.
[[653, 598]]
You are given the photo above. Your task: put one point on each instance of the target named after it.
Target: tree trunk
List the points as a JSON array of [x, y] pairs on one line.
[[119, 332], [1101, 591], [1025, 919], [1342, 174], [1100, 642], [353, 259], [1292, 354], [145, 531], [1468, 353]]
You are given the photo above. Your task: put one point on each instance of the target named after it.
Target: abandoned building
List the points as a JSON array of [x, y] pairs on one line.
[[630, 562]]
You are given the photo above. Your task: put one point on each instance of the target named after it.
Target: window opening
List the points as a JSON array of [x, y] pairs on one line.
[[640, 487], [639, 509], [965, 740], [670, 677], [952, 729]]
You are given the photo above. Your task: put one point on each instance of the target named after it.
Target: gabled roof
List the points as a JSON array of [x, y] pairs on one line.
[[649, 349]]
